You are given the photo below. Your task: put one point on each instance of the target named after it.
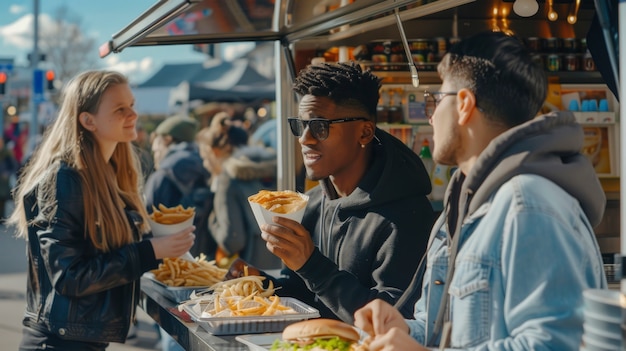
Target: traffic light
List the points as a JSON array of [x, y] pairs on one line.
[[50, 79], [3, 82]]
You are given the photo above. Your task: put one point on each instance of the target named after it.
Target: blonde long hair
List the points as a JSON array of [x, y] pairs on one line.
[[107, 188]]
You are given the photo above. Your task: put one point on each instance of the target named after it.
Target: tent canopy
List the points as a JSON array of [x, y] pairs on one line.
[[216, 80]]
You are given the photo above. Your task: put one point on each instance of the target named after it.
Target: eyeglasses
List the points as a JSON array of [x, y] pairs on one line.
[[318, 127], [431, 100]]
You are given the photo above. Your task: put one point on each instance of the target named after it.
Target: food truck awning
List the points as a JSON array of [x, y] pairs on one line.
[[170, 22]]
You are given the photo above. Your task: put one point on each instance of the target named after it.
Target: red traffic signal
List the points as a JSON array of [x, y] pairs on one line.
[[50, 79], [3, 81]]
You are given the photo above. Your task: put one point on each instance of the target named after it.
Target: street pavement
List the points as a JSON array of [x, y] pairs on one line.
[[12, 300]]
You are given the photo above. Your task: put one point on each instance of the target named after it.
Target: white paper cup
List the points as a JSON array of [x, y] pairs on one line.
[[264, 216], [159, 229]]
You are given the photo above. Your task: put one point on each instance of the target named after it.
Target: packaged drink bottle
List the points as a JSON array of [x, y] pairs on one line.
[[440, 179]]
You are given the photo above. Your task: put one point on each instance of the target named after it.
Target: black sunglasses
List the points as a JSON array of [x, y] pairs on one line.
[[318, 127]]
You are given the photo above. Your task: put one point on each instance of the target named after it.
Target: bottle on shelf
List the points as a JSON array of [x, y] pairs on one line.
[[382, 110], [396, 112], [440, 178]]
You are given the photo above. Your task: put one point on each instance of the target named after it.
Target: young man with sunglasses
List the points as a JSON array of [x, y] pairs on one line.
[[514, 248], [366, 225]]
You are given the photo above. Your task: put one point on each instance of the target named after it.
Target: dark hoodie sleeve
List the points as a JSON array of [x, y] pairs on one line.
[[396, 258]]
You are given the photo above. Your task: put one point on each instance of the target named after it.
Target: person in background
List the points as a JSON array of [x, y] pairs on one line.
[[366, 225], [514, 247], [142, 147], [180, 178], [78, 204], [8, 169], [16, 137], [238, 170]]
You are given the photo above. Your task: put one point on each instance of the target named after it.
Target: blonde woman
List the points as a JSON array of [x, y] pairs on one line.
[[79, 205]]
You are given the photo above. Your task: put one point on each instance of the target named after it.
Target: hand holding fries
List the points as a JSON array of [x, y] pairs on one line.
[[172, 221], [171, 215], [173, 245], [284, 201]]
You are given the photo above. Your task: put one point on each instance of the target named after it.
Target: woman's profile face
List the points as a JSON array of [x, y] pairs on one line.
[[116, 119]]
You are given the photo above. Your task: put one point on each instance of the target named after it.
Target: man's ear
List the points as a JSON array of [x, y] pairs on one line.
[[466, 103], [367, 132]]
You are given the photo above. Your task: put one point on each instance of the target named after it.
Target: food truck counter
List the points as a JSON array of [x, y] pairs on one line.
[[190, 335]]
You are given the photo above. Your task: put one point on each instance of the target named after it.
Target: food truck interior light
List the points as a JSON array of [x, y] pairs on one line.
[[525, 8]]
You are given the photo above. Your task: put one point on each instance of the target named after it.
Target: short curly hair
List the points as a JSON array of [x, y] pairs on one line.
[[345, 83]]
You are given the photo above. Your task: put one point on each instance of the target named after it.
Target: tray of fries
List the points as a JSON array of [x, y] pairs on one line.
[[175, 293], [177, 278], [250, 324]]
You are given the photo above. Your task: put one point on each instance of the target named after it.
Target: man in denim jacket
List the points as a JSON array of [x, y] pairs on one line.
[[518, 214]]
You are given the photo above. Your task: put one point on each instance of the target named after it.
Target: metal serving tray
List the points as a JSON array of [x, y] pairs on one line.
[[259, 342], [175, 293], [252, 324]]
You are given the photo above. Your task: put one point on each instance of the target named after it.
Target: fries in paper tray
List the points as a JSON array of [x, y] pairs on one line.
[[169, 220], [285, 203]]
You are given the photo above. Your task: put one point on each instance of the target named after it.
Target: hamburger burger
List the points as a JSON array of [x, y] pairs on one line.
[[319, 335]]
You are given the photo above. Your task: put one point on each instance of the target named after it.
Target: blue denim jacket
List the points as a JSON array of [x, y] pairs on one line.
[[525, 257]]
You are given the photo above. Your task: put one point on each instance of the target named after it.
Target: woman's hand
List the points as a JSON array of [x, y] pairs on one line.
[[289, 241], [173, 245]]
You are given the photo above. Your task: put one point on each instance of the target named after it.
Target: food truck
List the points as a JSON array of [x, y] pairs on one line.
[[401, 40]]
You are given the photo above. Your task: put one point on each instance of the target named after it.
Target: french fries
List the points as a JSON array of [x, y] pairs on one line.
[[244, 296], [180, 272], [236, 306], [171, 215], [284, 201], [243, 286]]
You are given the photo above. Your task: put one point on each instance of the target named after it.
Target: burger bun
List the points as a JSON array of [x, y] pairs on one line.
[[320, 328]]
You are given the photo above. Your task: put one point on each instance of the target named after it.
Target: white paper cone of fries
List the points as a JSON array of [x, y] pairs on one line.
[[161, 226], [267, 204]]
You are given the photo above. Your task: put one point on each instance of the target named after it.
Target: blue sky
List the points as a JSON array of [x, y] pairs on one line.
[[100, 20]]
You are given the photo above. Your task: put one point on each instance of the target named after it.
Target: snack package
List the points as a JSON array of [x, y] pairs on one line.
[[285, 203], [169, 220]]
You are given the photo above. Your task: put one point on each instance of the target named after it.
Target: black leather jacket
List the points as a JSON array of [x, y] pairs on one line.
[[75, 291]]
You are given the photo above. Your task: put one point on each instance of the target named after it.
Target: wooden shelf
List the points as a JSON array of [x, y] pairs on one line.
[[431, 77]]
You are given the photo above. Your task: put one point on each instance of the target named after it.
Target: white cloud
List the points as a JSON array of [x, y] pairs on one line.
[[18, 36], [20, 32], [136, 71], [17, 9], [232, 51]]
